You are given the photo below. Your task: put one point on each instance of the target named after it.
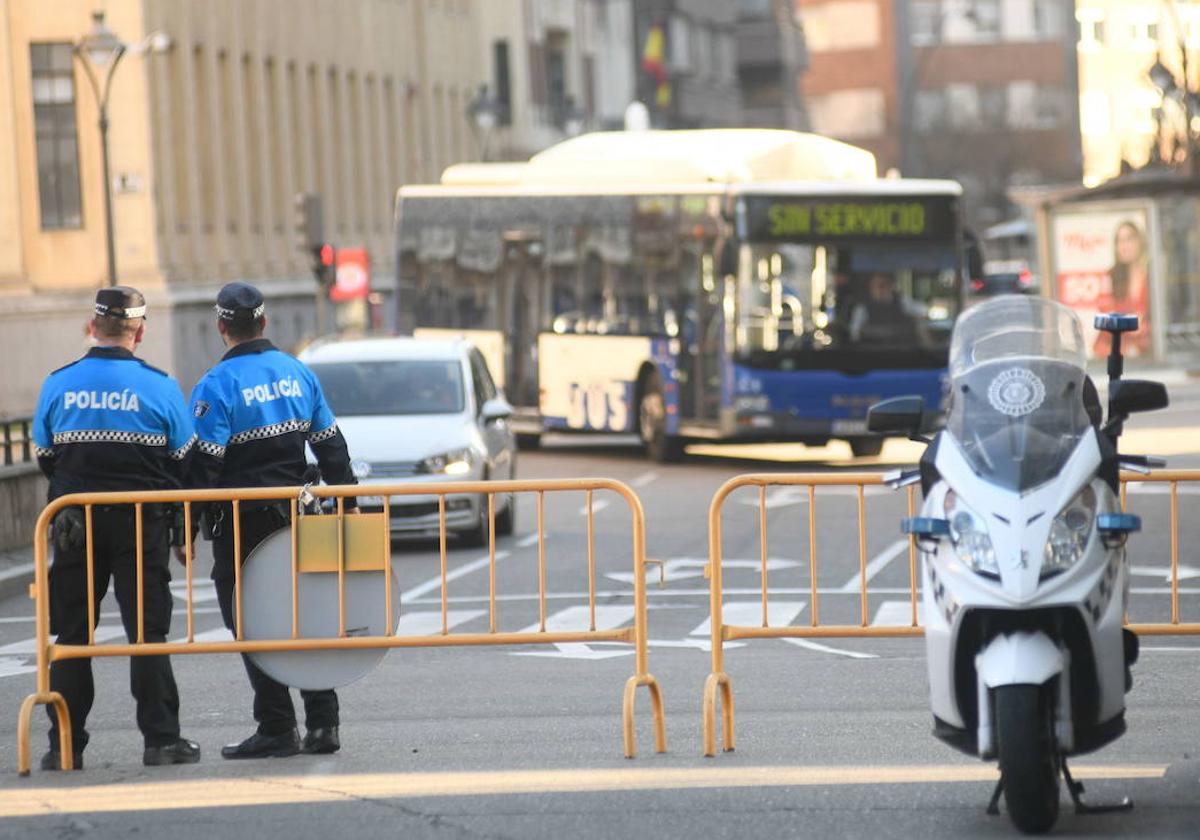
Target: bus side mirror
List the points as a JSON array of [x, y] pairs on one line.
[[729, 259], [973, 254], [899, 415]]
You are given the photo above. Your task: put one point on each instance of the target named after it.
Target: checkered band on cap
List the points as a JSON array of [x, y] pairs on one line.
[[125, 312], [230, 314]]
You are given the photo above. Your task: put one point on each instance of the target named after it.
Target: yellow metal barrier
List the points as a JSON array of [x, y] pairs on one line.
[[718, 684], [636, 635]]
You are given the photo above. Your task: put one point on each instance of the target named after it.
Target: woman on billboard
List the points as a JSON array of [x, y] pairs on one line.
[[1129, 289]]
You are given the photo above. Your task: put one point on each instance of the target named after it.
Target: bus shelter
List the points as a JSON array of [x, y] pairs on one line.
[[1131, 244]]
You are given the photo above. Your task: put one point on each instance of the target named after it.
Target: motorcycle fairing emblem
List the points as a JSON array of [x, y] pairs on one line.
[[1016, 392]]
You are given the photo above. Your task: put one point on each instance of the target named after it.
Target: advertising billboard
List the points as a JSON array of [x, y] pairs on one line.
[[1102, 264]]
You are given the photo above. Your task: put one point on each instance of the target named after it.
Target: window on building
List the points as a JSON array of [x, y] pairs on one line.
[[1142, 21], [503, 80], [970, 21], [962, 102], [929, 110], [680, 50], [849, 114], [56, 136], [1034, 106], [841, 25], [1091, 28], [926, 21], [556, 77], [1048, 19]]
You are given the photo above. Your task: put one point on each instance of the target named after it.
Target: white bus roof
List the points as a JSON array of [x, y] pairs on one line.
[[700, 157]]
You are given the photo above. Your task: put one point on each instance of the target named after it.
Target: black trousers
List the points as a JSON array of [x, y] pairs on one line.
[[114, 556], [273, 709]]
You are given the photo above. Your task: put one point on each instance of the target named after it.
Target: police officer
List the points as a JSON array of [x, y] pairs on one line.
[[254, 413], [109, 421]]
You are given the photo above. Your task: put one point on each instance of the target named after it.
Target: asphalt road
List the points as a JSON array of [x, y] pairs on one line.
[[833, 738]]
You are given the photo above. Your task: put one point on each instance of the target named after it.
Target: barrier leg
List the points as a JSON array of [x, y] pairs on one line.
[[656, 708], [708, 722], [25, 721]]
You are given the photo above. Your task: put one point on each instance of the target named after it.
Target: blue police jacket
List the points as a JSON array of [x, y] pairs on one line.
[[254, 412], [109, 421]]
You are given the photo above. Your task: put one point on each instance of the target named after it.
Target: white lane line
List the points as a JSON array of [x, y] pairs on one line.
[[876, 565], [608, 617], [28, 647], [1154, 488], [798, 495], [202, 591], [597, 506], [644, 479], [436, 582], [895, 614], [12, 666], [749, 614], [820, 648], [429, 622], [527, 540], [1168, 649]]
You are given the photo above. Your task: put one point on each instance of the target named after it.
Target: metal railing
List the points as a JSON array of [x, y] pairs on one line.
[[718, 685], [636, 635]]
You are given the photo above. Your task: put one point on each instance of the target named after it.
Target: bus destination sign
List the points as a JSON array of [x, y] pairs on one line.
[[828, 218]]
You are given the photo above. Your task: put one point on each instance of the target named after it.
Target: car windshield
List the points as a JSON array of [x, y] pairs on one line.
[[407, 386], [1019, 389]]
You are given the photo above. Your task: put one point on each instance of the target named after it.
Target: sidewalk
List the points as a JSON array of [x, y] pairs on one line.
[[16, 572]]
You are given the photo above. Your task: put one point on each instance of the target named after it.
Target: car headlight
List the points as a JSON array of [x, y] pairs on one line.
[[457, 462], [970, 537], [1069, 533], [360, 469]]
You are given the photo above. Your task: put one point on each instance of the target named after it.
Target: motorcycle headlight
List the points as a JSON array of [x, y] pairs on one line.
[[457, 462], [1069, 533], [970, 538]]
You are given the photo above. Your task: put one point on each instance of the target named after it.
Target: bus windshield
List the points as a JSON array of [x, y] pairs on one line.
[[871, 305]]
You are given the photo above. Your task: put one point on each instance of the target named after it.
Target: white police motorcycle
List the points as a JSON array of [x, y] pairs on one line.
[[1024, 576]]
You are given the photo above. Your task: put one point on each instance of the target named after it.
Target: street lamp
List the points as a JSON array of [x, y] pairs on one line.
[[484, 112], [99, 52]]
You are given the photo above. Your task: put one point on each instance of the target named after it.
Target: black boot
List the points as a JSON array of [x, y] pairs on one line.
[[52, 760], [181, 751], [264, 746], [322, 741]]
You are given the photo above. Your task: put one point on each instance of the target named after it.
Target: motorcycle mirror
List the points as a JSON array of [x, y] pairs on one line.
[[1127, 396], [899, 415]]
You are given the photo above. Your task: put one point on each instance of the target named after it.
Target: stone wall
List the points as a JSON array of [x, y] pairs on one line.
[[22, 497]]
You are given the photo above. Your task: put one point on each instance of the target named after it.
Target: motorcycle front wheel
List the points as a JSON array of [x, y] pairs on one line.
[[1028, 755]]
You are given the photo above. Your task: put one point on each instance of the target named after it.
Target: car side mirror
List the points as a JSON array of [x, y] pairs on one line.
[[1127, 396], [497, 408], [899, 415]]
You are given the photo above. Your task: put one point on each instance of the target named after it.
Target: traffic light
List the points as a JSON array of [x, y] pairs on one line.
[[310, 238], [325, 264]]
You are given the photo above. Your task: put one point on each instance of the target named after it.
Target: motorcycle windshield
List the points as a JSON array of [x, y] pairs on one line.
[[1017, 380]]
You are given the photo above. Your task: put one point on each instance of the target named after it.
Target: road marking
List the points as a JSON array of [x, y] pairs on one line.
[[608, 617], [12, 666], [1168, 649], [1185, 572], [244, 791], [1155, 488], [644, 479], [820, 648], [527, 540], [202, 591], [681, 568], [876, 565], [436, 582], [798, 495], [749, 614], [429, 622], [28, 647], [895, 614], [597, 506]]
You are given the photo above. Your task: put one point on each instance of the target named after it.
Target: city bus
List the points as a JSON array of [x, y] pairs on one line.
[[734, 285]]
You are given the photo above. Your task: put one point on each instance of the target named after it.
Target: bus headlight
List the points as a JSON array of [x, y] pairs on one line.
[[970, 537]]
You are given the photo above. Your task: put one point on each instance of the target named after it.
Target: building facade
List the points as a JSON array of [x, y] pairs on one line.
[[1127, 119], [772, 58], [253, 102], [982, 91]]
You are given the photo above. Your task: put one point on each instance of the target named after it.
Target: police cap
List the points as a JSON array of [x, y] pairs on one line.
[[239, 301], [120, 302]]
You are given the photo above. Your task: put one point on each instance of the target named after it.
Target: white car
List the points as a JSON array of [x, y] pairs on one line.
[[421, 411]]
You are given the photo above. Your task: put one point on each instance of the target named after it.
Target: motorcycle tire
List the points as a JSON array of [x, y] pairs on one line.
[[1029, 761]]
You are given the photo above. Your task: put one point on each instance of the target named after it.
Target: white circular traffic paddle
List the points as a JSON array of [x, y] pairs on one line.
[[267, 615]]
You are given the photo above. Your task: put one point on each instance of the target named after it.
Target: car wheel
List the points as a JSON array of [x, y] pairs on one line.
[[477, 534]]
